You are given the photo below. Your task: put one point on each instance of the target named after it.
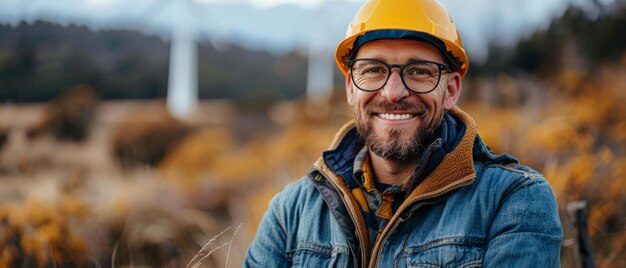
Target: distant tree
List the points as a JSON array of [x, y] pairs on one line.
[[597, 35]]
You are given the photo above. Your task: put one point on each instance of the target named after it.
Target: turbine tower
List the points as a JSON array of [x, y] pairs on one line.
[[319, 84], [182, 87]]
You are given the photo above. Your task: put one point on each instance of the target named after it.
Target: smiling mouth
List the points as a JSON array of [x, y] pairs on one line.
[[396, 116]]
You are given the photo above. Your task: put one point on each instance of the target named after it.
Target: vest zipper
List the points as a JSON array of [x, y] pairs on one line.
[[355, 213], [416, 175], [387, 231]]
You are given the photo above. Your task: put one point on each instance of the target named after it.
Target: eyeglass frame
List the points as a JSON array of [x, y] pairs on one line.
[[441, 66]]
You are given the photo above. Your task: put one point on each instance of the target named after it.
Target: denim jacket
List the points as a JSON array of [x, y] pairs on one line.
[[473, 209]]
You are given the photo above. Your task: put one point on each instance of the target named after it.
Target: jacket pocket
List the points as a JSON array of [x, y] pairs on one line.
[[463, 252], [315, 255]]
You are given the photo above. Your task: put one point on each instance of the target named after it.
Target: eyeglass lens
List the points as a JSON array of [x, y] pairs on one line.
[[371, 75]]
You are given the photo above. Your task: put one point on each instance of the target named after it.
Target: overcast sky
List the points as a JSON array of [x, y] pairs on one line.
[[282, 25]]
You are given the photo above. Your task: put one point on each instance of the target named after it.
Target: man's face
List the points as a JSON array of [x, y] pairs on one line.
[[394, 121]]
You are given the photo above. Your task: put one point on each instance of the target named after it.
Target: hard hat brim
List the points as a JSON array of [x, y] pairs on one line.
[[348, 45]]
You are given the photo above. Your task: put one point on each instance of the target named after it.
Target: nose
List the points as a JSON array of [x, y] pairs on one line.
[[394, 90]]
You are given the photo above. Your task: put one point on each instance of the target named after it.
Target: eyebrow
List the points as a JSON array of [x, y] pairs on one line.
[[421, 59], [412, 59]]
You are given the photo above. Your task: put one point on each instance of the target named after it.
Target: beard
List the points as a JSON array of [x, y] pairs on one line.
[[390, 144]]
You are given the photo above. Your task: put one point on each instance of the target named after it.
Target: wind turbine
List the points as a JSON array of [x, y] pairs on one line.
[[182, 87], [319, 84], [182, 84]]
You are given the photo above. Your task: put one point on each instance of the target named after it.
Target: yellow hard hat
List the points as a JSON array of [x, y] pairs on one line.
[[425, 19]]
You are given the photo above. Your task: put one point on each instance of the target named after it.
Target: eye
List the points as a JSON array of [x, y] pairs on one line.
[[415, 71], [374, 70]]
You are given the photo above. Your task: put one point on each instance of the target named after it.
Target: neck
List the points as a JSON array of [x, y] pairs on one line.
[[391, 172]]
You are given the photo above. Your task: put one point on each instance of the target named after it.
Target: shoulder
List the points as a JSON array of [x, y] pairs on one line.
[[302, 188], [510, 178], [503, 173], [296, 196]]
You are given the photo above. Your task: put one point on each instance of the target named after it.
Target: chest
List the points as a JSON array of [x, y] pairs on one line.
[[441, 234]]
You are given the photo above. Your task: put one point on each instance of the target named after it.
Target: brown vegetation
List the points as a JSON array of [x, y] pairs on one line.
[[146, 138], [4, 135], [69, 116]]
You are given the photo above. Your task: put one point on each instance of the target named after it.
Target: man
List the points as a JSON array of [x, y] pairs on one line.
[[409, 183]]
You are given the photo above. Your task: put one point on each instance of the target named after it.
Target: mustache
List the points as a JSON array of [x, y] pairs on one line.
[[419, 108]]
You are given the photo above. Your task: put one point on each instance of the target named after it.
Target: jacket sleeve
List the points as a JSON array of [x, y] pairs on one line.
[[269, 246], [526, 230]]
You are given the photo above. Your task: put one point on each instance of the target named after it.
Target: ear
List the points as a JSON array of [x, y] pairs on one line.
[[349, 89], [453, 91]]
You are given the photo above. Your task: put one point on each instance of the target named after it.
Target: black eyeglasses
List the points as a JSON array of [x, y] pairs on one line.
[[418, 76]]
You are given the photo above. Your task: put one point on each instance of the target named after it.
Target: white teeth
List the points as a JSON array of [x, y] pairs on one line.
[[395, 116]]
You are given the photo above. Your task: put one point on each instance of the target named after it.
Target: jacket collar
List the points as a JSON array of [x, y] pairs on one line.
[[456, 167]]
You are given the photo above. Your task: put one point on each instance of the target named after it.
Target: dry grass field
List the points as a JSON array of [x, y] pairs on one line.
[[142, 189]]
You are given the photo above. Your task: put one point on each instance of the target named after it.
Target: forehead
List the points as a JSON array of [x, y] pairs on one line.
[[399, 50]]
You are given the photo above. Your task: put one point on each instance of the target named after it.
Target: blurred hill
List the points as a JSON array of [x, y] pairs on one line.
[[38, 60]]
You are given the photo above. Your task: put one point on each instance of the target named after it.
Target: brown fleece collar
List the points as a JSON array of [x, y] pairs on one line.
[[339, 135], [457, 167]]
